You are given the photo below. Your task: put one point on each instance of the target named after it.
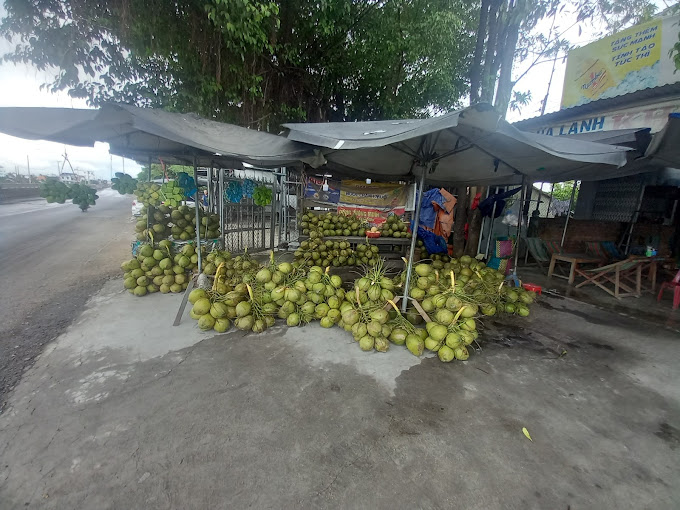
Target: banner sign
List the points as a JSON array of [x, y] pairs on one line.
[[374, 216], [372, 202], [377, 194], [314, 190], [634, 59], [650, 116]]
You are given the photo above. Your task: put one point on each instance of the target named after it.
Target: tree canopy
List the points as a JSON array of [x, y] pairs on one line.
[[253, 62], [259, 63]]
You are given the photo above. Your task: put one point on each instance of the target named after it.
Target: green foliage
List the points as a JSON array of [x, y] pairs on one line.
[[562, 190], [253, 62], [171, 171]]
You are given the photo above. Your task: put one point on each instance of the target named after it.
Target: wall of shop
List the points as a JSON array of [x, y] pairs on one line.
[[580, 231]]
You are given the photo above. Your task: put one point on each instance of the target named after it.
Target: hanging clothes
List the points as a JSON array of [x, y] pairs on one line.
[[486, 205], [444, 223]]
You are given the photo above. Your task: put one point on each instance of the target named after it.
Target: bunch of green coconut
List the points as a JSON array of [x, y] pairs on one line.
[[325, 253], [148, 193], [253, 296], [332, 224], [157, 269], [394, 227], [176, 222], [124, 184], [370, 314]]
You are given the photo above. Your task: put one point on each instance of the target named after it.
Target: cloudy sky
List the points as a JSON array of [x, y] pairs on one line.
[[20, 86]]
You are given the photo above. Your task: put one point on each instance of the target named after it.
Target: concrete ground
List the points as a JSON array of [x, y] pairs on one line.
[[125, 411]]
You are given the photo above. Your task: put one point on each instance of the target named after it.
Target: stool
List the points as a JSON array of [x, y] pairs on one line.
[[674, 285], [533, 288]]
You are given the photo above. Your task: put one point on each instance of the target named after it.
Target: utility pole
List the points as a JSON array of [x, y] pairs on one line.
[[28, 166], [111, 167]]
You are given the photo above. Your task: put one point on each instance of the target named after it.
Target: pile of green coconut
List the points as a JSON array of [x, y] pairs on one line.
[[454, 294]]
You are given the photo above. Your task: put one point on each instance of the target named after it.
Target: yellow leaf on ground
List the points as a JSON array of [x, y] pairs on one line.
[[526, 433]]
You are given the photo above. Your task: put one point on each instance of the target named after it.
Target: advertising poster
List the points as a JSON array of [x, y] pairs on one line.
[[372, 202], [314, 190], [633, 59]]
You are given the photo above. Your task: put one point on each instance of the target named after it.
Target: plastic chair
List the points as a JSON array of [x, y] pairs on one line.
[[675, 285]]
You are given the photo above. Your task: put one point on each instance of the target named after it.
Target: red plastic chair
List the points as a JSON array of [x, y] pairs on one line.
[[675, 285]]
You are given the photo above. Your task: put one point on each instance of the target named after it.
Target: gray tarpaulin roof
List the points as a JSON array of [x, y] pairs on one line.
[[470, 146], [142, 132], [664, 149]]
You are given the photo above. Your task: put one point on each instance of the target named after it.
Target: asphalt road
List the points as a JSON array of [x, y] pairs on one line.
[[52, 259]]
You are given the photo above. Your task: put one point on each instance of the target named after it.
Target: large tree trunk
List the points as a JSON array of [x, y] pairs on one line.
[[460, 219], [474, 224], [506, 59], [476, 67], [488, 80]]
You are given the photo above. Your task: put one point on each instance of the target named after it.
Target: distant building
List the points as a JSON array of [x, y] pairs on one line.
[[70, 178]]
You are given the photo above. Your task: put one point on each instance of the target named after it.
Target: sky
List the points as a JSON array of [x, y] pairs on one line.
[[20, 86]]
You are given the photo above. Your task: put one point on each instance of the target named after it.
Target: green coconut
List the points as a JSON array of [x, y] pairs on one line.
[[423, 269], [467, 336], [461, 353], [335, 315], [415, 344], [444, 316], [374, 328], [293, 319], [142, 281], [381, 315], [327, 322], [140, 290], [243, 308], [245, 323], [398, 336], [359, 330], [453, 340], [381, 344], [222, 324], [453, 303], [437, 332], [202, 306], [264, 275], [469, 310], [366, 343], [196, 294], [151, 288], [163, 288], [432, 345], [218, 310], [445, 354], [206, 322], [130, 283]]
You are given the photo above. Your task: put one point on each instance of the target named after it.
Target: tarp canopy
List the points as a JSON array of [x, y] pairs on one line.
[[664, 149], [473, 146], [142, 132]]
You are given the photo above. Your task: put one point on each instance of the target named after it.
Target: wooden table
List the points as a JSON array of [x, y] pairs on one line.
[[574, 259]]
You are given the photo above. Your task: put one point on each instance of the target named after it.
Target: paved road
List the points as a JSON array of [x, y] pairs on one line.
[[52, 259]]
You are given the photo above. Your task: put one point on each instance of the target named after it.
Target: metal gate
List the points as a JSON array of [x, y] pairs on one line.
[[290, 198], [245, 224]]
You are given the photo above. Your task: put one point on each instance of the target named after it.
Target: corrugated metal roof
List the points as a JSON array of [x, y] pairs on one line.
[[664, 92]]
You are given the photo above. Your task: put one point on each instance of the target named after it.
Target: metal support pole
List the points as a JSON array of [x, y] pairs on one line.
[[479, 242], [519, 223], [198, 218], [220, 201], [490, 234], [149, 209], [272, 219], [552, 189], [209, 175], [566, 222], [414, 236]]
